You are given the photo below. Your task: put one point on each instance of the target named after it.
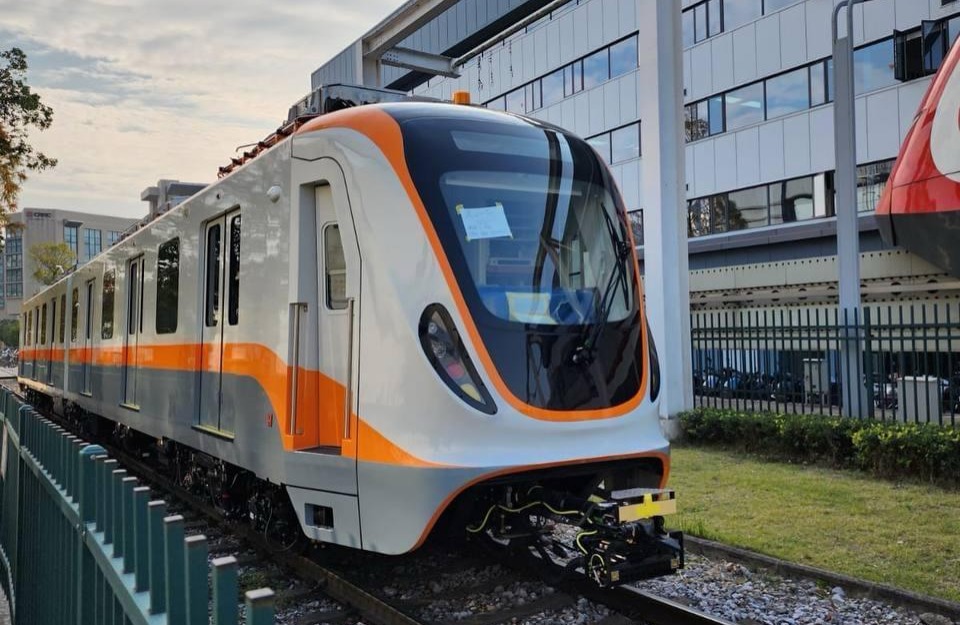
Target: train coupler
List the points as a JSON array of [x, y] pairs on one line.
[[628, 541]]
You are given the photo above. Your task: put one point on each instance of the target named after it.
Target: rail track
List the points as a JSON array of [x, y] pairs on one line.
[[440, 583]]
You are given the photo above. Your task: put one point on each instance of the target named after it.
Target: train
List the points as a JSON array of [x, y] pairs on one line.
[[920, 207], [388, 317]]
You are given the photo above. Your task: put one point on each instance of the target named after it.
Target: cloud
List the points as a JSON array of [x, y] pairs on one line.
[[144, 90]]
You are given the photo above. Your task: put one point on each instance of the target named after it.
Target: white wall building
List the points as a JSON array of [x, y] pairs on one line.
[[758, 90]]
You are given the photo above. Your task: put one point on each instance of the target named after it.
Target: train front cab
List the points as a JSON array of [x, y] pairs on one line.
[[465, 283]]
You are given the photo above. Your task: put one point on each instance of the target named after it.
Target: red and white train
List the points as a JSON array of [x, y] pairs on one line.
[[920, 207]]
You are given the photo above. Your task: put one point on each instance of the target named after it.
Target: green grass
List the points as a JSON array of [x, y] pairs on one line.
[[906, 535]]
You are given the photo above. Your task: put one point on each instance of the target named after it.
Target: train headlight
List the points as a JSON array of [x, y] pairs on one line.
[[444, 349]]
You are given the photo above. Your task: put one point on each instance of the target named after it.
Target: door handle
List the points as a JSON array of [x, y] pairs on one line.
[[348, 392]]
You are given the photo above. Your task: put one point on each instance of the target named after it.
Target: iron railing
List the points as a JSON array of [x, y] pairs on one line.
[[904, 359], [82, 542]]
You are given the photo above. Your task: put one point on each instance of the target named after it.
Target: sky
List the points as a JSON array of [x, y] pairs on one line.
[[150, 89]]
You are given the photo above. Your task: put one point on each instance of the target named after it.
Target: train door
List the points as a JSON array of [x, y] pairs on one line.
[[220, 317], [131, 341], [87, 358], [338, 274]]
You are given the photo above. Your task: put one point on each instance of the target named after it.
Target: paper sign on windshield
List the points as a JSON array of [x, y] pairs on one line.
[[487, 222]]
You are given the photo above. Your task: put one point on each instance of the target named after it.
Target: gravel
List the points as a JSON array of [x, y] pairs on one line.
[[734, 592]]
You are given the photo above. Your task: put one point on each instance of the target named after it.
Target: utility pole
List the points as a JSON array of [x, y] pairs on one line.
[[848, 230], [666, 263]]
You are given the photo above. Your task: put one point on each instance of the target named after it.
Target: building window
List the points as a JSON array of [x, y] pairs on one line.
[[109, 286], [636, 225], [14, 261], [788, 93], [14, 244], [791, 200], [92, 242], [168, 286], [756, 207], [736, 13], [871, 181], [600, 66], [873, 67], [623, 57], [113, 236], [625, 143], [744, 106], [71, 238], [601, 143], [596, 69]]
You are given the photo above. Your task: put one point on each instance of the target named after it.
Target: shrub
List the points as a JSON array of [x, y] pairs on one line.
[[889, 450]]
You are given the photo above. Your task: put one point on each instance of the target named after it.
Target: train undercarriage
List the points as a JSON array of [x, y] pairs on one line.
[[588, 520]]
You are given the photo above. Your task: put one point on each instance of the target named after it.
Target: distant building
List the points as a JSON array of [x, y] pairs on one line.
[[166, 194], [86, 234]]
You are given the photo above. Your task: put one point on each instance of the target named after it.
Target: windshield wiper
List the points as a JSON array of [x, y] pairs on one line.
[[585, 352]]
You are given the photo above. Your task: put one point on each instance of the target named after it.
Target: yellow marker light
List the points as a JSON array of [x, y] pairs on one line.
[[471, 390]]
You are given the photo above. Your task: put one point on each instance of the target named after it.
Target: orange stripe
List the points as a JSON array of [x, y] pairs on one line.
[[384, 131], [320, 399]]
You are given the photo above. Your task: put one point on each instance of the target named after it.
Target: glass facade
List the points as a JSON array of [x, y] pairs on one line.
[[71, 238], [91, 242], [621, 144], [711, 17], [596, 68], [765, 205]]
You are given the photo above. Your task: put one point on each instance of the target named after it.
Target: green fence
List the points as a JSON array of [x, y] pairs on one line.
[[82, 542]]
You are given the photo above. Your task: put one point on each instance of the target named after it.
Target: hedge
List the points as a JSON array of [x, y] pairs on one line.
[[889, 450]]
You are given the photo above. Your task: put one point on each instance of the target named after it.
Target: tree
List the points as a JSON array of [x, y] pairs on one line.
[[20, 108], [10, 332], [51, 261]]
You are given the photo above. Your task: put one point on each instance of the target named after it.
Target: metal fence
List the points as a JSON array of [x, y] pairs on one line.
[[904, 361], [82, 542]]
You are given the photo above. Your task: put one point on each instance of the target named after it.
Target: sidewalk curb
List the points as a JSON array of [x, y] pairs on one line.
[[852, 585]]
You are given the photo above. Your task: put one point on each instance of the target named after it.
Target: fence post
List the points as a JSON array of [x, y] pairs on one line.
[[869, 369], [225, 591], [173, 545], [127, 485], [141, 539], [116, 513], [260, 607], [158, 593], [87, 496], [198, 595]]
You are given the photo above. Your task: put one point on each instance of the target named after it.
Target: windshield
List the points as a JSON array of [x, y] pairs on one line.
[[532, 217]]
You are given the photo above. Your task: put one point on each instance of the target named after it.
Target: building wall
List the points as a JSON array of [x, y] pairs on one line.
[[768, 152], [31, 226]]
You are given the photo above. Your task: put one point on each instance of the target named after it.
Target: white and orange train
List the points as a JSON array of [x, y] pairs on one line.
[[400, 312]]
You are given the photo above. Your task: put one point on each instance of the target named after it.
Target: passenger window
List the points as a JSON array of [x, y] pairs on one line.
[[213, 275], [43, 324], [36, 326], [63, 315], [132, 307], [89, 317], [53, 321], [109, 286], [233, 283], [335, 268], [168, 286], [28, 324], [75, 306]]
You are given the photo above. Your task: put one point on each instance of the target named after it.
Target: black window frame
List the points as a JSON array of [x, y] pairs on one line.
[[75, 311], [108, 291], [212, 275], [166, 315], [233, 269]]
